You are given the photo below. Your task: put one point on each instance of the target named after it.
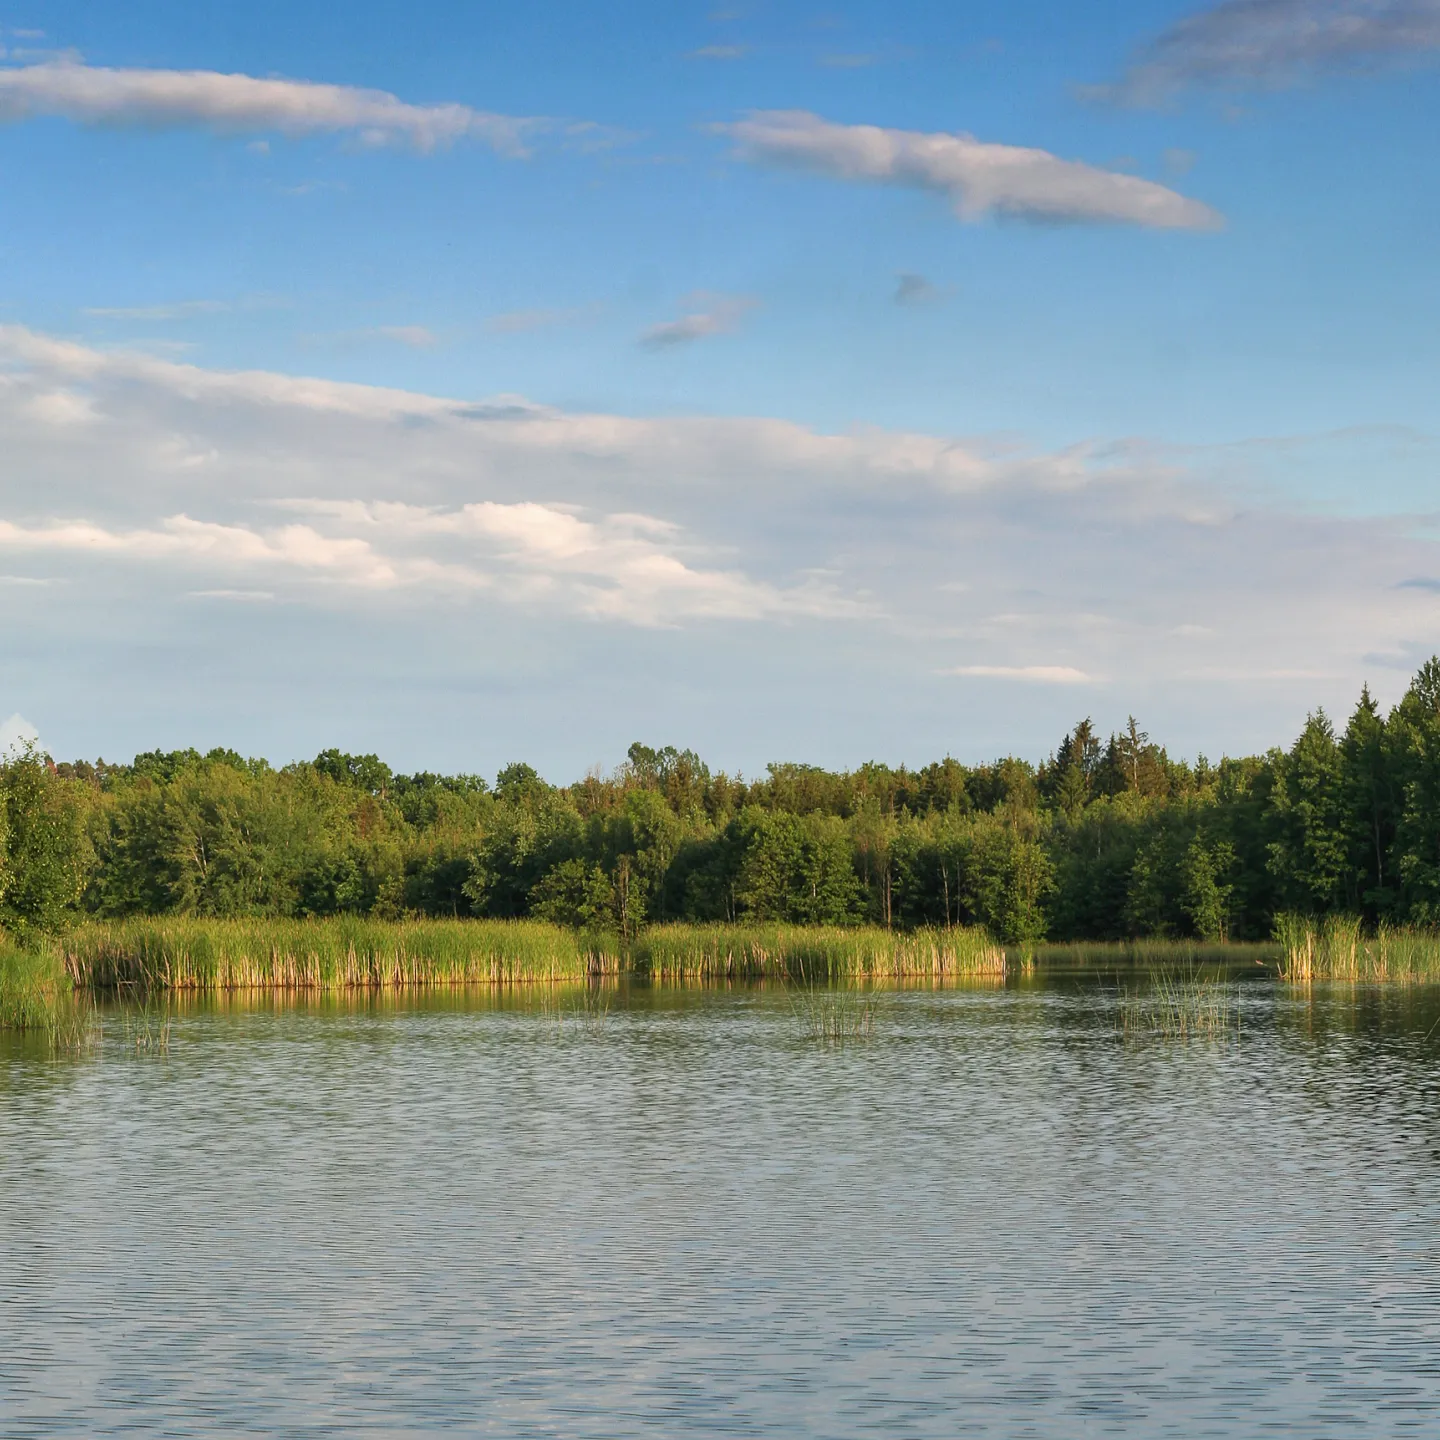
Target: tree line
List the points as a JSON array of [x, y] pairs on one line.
[[1107, 838]]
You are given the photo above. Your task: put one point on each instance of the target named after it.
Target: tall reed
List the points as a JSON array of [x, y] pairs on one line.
[[1337, 948], [180, 953], [815, 954], [37, 995]]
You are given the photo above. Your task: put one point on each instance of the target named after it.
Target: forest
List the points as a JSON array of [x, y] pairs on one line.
[[1107, 838]]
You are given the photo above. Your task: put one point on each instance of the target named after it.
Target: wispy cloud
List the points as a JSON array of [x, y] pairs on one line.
[[980, 178], [243, 104], [719, 52], [715, 315], [518, 322], [912, 289], [1269, 43], [417, 337], [1042, 674], [180, 310]]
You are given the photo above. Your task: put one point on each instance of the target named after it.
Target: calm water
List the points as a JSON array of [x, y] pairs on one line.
[[995, 1218]]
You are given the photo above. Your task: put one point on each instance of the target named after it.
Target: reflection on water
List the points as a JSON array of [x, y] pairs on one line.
[[668, 1212]]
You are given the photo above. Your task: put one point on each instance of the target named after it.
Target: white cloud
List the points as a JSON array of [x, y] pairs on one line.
[[717, 315], [244, 104], [1274, 42], [15, 734], [980, 178], [840, 572]]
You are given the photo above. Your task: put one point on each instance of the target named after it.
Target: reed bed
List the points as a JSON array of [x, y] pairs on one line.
[[1337, 948], [1154, 955], [813, 954], [37, 995], [335, 954]]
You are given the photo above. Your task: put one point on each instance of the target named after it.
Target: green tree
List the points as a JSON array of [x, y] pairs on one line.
[[577, 893], [43, 871], [1310, 852], [796, 868]]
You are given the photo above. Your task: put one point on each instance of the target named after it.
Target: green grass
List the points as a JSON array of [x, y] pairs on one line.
[[814, 954], [37, 995], [1157, 955], [1337, 948], [175, 953]]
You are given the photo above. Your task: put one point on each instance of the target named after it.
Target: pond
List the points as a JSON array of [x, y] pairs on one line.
[[673, 1211]]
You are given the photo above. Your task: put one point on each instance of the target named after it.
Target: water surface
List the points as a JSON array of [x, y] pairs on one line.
[[516, 1216]]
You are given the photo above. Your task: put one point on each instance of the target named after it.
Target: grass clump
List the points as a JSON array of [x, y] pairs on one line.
[[815, 954], [1181, 1003], [182, 953], [1337, 948], [834, 1016], [37, 995]]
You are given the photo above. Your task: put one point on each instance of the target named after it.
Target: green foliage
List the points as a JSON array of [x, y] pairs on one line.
[[577, 893], [795, 868], [1107, 840], [43, 869]]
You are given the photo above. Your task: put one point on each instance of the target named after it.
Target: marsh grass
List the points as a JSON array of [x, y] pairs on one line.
[[1181, 1003], [36, 995], [586, 1011], [1337, 948], [181, 953], [816, 954], [1153, 955], [146, 1033]]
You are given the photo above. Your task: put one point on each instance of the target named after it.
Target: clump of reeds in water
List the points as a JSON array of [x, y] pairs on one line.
[[147, 1034], [185, 953], [1181, 1003], [820, 953], [1337, 948], [588, 1011], [834, 1015]]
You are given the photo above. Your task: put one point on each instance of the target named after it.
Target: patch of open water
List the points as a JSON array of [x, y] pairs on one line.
[[508, 1216]]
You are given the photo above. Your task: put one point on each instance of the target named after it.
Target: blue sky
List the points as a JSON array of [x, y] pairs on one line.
[[824, 382]]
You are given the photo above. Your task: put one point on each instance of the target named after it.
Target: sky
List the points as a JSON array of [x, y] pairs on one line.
[[823, 382]]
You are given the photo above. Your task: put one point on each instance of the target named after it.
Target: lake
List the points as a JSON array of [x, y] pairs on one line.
[[672, 1212]]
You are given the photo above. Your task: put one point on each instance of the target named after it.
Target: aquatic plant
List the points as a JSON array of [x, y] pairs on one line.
[[834, 1015], [1337, 948], [1181, 1003], [179, 953], [37, 995], [1152, 954], [815, 953]]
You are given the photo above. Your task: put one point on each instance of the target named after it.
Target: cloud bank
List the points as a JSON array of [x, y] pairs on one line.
[[981, 179], [244, 104], [1268, 43], [160, 518]]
